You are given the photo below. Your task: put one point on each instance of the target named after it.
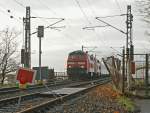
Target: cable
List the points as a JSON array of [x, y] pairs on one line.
[[97, 35], [49, 26], [51, 10], [84, 14], [82, 11], [111, 25], [42, 18], [116, 50], [22, 5], [91, 28], [126, 2], [47, 7], [112, 16], [118, 6], [88, 2], [19, 4], [53, 18], [66, 35]]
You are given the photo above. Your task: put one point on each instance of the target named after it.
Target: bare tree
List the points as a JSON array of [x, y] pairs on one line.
[[8, 49], [144, 9]]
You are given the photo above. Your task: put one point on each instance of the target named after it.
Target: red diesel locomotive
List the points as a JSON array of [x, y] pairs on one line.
[[81, 65]]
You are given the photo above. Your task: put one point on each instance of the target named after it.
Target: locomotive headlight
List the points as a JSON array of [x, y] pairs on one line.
[[69, 66], [82, 66]]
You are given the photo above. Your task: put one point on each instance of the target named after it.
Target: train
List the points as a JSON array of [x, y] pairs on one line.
[[82, 65]]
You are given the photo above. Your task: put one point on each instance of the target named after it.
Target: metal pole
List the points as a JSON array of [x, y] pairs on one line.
[[27, 39], [127, 50], [146, 75], [40, 52], [82, 47], [40, 35], [23, 45], [123, 69], [129, 42]]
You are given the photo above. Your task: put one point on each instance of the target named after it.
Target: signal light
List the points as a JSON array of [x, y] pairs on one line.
[[132, 52], [40, 31], [82, 66], [69, 66]]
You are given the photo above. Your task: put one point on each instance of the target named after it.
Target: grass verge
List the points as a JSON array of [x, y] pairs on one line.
[[127, 103]]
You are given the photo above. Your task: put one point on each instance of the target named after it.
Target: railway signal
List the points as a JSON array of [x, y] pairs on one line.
[[40, 31], [40, 34], [27, 24]]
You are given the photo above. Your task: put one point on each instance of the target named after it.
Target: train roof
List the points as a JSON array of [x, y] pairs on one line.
[[78, 52]]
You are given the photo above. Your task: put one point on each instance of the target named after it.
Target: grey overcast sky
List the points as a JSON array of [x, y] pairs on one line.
[[77, 14]]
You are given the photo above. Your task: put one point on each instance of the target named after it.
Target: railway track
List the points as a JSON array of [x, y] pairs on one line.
[[37, 102], [12, 92], [13, 89]]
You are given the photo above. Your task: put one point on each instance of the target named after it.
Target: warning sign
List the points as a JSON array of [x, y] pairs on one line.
[[25, 75]]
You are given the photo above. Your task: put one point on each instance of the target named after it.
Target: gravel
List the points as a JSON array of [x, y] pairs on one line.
[[99, 100]]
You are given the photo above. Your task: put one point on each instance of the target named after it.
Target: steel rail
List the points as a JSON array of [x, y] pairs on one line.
[[47, 105], [31, 90], [6, 103], [15, 89]]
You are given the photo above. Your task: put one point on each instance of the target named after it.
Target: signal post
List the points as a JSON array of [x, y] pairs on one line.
[[40, 34]]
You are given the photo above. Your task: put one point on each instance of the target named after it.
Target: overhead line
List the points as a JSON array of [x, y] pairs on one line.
[[48, 7], [45, 17], [112, 16], [22, 5], [111, 25], [90, 28], [19, 3], [126, 2], [91, 8], [51, 10], [82, 11], [118, 6], [94, 27], [49, 26]]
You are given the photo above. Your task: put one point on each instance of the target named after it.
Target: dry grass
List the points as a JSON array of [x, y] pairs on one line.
[[103, 99]]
